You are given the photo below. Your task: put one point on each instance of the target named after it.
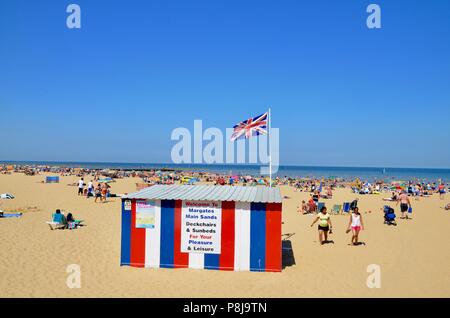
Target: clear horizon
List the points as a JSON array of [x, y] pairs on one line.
[[341, 94]]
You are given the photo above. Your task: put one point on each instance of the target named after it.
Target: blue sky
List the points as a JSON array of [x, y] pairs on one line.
[[341, 94]]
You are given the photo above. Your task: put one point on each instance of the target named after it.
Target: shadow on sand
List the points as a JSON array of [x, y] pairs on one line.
[[287, 254]]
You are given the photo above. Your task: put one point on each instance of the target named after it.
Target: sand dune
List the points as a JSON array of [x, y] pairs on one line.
[[414, 257]]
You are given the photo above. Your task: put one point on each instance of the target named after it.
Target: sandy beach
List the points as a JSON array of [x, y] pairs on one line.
[[413, 256]]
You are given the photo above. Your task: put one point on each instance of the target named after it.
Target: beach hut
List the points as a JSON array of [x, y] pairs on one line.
[[52, 179], [231, 228]]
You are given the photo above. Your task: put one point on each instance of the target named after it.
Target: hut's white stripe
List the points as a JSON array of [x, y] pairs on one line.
[[153, 240], [242, 237], [196, 260]]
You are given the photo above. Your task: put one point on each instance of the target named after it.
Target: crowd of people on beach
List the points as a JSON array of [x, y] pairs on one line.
[[400, 196], [100, 192], [401, 192]]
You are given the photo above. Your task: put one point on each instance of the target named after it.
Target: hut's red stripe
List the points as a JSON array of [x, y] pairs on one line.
[[137, 255], [273, 237], [226, 260], [180, 260]]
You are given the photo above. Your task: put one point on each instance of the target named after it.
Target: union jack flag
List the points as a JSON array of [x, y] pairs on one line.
[[251, 127]]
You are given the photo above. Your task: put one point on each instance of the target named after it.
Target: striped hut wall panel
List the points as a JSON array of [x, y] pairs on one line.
[[257, 237], [125, 236], [137, 249], [273, 237], [226, 258], [242, 237], [153, 240], [181, 260], [167, 233]]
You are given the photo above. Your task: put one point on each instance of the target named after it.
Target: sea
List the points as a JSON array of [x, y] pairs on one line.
[[313, 172]]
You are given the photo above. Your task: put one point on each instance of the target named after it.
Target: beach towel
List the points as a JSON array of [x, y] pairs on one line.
[[6, 196], [10, 215]]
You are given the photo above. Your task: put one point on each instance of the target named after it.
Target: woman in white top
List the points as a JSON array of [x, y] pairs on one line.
[[356, 225]]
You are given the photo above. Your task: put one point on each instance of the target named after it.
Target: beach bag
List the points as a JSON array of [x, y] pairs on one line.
[[410, 210]]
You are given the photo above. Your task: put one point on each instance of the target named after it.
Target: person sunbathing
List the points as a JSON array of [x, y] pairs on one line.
[[329, 193], [392, 198], [304, 208], [71, 223]]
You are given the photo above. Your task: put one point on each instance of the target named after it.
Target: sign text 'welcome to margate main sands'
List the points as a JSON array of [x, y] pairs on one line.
[[201, 227]]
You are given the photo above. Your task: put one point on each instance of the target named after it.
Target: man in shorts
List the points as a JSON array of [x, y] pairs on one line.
[[98, 193], [80, 186], [403, 199], [441, 190]]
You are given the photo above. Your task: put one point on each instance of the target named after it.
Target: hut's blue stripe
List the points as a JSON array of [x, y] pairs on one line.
[[257, 237], [167, 233], [212, 261], [126, 236]]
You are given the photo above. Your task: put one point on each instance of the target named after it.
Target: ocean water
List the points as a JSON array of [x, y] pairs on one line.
[[364, 173]]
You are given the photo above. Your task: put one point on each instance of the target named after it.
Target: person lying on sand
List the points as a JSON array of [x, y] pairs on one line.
[[392, 198]]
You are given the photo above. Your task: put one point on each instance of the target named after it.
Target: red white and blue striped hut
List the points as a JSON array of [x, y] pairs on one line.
[[203, 227]]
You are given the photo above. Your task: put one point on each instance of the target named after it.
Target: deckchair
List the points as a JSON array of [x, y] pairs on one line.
[[58, 221], [320, 205], [346, 207], [337, 208]]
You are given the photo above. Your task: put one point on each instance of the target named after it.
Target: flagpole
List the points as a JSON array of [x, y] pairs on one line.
[[270, 149]]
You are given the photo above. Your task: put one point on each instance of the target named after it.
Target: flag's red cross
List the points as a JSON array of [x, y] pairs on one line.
[[251, 127]]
